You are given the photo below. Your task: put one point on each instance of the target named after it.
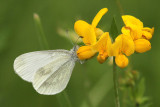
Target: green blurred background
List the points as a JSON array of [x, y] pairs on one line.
[[18, 35]]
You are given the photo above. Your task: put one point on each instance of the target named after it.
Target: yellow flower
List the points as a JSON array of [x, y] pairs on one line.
[[123, 45], [134, 28], [134, 37], [102, 46], [89, 32]]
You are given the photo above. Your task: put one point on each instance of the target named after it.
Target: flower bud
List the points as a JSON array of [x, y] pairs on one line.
[[142, 45], [86, 52], [121, 60]]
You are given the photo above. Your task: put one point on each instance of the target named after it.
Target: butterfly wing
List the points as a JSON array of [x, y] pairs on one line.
[[54, 77], [27, 64]]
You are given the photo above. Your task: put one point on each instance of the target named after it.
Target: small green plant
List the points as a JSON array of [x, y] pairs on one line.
[[132, 86]]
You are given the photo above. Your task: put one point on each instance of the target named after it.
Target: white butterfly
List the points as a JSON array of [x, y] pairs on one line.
[[48, 71]]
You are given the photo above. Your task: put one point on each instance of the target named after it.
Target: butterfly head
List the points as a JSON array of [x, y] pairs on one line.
[[74, 53]]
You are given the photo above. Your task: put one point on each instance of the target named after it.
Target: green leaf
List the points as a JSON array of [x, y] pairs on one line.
[[141, 88], [99, 91], [113, 30]]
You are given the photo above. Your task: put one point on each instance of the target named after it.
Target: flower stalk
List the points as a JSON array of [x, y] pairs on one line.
[[42, 38], [117, 103]]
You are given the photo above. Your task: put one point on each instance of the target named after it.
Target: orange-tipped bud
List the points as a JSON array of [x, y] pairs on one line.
[[86, 52], [121, 60], [142, 45]]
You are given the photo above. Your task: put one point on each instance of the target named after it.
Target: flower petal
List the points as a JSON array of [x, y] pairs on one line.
[[123, 43], [142, 45], [151, 30], [121, 60], [146, 35], [86, 31], [131, 21], [135, 26], [147, 32], [127, 45], [116, 47], [98, 32], [102, 47], [126, 30], [102, 56], [86, 52], [103, 43], [98, 17], [136, 32]]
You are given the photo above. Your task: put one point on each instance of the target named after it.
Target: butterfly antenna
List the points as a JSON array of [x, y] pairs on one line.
[[74, 44], [77, 40]]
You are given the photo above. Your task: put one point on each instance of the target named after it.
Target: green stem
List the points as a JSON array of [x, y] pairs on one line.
[[115, 84], [42, 38], [62, 97]]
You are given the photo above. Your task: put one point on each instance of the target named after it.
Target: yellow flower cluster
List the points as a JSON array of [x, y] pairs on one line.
[[134, 37]]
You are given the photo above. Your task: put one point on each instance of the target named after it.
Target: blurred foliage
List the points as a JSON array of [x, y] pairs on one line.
[[18, 35], [132, 86]]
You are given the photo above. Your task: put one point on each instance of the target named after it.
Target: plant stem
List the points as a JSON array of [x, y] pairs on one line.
[[115, 84], [63, 99], [42, 38]]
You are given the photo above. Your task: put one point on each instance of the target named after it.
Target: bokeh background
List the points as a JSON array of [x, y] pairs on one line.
[[18, 35]]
